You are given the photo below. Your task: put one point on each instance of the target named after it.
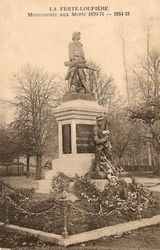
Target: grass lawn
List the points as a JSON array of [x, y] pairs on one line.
[[20, 181]]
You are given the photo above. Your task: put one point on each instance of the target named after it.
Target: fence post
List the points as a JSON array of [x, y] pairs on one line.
[[7, 212], [65, 233], [5, 204], [65, 205]]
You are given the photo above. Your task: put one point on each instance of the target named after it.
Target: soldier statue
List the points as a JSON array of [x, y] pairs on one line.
[[76, 75], [103, 155]]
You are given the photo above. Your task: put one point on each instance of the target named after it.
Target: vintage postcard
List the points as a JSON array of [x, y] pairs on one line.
[[80, 124]]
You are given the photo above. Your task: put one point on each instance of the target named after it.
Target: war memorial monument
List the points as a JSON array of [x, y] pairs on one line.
[[86, 195]]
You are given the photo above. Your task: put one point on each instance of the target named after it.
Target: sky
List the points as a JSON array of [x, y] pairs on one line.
[[43, 41]]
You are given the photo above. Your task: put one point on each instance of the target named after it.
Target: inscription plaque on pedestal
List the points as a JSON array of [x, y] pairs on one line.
[[84, 138], [66, 139]]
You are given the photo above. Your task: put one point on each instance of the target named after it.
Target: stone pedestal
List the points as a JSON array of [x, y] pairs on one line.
[[76, 117]]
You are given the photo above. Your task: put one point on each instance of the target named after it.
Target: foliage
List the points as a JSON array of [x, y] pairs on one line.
[[15, 240], [22, 194], [8, 145], [83, 187], [23, 134], [120, 199], [147, 84], [126, 135], [21, 207], [148, 112], [145, 105], [93, 209], [60, 183]]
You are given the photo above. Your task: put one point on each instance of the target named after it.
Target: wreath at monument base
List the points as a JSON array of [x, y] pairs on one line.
[[127, 200], [78, 202], [117, 202]]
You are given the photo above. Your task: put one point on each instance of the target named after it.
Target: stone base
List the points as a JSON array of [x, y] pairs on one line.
[[74, 96], [69, 165]]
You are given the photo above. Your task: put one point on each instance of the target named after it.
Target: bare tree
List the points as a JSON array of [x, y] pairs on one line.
[[37, 93], [125, 68], [147, 79], [101, 85], [22, 133]]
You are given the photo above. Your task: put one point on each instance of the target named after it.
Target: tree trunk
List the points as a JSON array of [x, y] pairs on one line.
[[28, 166], [18, 166], [149, 149], [38, 167], [149, 154], [158, 165]]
